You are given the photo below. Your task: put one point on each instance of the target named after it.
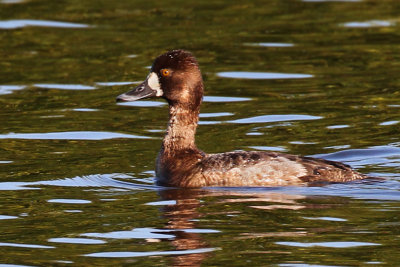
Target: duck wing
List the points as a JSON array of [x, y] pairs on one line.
[[259, 168]]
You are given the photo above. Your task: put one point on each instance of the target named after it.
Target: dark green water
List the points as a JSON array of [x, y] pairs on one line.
[[309, 77]]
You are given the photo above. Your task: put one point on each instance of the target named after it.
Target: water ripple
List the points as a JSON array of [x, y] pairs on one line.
[[269, 148], [349, 244], [16, 265], [137, 233], [276, 118], [69, 201], [116, 83], [64, 86], [332, 219], [8, 89], [95, 180], [162, 203], [139, 103], [262, 75], [75, 135], [369, 24], [129, 254], [7, 217], [270, 44], [225, 99], [332, 0], [339, 126], [85, 109], [12, 1], [86, 241], [21, 23], [386, 123], [360, 154], [215, 115], [23, 245]]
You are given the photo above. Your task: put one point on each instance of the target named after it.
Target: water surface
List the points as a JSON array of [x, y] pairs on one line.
[[309, 77]]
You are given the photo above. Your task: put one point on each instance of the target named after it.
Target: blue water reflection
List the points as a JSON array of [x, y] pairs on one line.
[[21, 23], [74, 135], [262, 75]]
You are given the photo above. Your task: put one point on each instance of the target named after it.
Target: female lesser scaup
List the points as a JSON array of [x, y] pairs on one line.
[[175, 76]]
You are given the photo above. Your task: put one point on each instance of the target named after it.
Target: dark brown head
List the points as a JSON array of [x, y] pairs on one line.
[[174, 76]]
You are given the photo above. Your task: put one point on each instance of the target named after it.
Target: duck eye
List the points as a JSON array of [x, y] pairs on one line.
[[165, 72]]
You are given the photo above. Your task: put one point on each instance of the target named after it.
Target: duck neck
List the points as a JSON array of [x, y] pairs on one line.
[[181, 129]]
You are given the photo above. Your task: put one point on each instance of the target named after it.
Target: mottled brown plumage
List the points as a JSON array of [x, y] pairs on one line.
[[175, 76]]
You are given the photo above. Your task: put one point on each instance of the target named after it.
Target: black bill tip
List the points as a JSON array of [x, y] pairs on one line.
[[122, 98]]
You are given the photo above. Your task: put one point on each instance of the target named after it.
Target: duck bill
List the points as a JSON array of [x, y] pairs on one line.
[[143, 90], [150, 87]]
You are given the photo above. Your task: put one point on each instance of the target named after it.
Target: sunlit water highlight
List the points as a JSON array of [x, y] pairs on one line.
[[262, 75], [78, 135], [276, 118], [130, 254], [332, 0], [81, 165], [368, 24], [65, 86], [69, 201], [115, 83], [146, 103], [9, 2], [8, 89], [6, 217], [86, 241], [328, 244], [85, 109], [270, 44], [24, 245], [15, 24], [225, 99]]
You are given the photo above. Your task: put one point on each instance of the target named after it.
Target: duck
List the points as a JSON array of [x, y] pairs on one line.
[[176, 77]]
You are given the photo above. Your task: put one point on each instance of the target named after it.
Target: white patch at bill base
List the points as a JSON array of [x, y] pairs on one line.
[[154, 83]]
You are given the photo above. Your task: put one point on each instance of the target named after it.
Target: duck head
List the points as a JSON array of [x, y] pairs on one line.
[[174, 76]]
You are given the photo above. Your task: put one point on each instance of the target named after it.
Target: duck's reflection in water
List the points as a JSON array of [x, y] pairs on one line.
[[183, 216]]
